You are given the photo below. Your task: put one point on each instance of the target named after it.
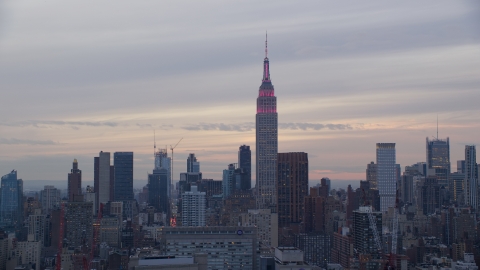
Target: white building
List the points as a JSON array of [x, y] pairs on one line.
[[467, 264], [386, 175], [266, 223], [29, 253], [49, 198], [193, 207]]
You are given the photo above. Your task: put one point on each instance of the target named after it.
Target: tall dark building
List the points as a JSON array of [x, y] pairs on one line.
[[438, 160], [193, 166], [292, 187], [471, 176], [371, 174], [266, 141], [78, 223], [74, 182], [430, 195], [245, 163], [123, 167], [11, 202], [157, 190], [363, 239]]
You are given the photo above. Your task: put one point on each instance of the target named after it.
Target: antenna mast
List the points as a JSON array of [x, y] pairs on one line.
[[266, 45]]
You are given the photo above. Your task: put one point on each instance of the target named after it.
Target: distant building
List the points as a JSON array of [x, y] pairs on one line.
[[371, 175], [193, 166], [79, 223], [438, 160], [228, 181], [266, 223], [193, 208], [245, 163], [110, 231], [266, 128], [363, 239], [37, 227], [158, 190], [290, 258], [90, 196], [230, 247], [429, 195], [471, 177], [49, 198], [102, 178], [315, 247], [386, 175], [292, 187], [74, 182], [11, 202], [123, 187], [163, 161], [29, 253]]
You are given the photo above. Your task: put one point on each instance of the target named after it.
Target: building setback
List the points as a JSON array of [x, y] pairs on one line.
[[266, 141]]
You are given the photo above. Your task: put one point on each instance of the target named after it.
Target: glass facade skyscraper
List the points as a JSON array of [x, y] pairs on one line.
[[471, 176], [11, 202], [123, 187], [386, 175], [438, 160], [245, 162]]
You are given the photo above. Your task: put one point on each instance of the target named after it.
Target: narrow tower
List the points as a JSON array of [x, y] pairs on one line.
[[267, 141]]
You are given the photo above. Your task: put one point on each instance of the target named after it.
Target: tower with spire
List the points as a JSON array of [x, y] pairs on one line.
[[266, 140]]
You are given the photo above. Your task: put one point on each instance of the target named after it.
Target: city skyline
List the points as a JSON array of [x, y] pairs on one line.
[[344, 83]]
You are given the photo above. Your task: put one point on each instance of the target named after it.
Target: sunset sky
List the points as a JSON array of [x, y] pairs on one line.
[[80, 77]]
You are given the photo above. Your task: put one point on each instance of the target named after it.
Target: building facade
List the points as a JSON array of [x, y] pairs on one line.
[[245, 163], [193, 166], [74, 182], [266, 141], [438, 160], [386, 175], [123, 187], [11, 202], [193, 208], [79, 223], [49, 198], [101, 178], [158, 190], [292, 187], [471, 177]]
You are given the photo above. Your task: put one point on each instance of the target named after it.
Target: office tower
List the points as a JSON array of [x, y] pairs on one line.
[[228, 181], [456, 187], [371, 173], [245, 163], [192, 164], [193, 208], [438, 160], [74, 182], [37, 227], [49, 198], [315, 247], [314, 213], [102, 178], [386, 175], [292, 187], [228, 247], [78, 223], [266, 141], [158, 190], [364, 242], [406, 188], [471, 176], [11, 202], [429, 195], [163, 161], [110, 230], [91, 197], [123, 187]]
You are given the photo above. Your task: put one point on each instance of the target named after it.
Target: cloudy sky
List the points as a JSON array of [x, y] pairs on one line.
[[78, 77]]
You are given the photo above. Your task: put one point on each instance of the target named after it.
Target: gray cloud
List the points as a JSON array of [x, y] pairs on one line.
[[26, 142], [43, 123], [249, 126], [311, 126]]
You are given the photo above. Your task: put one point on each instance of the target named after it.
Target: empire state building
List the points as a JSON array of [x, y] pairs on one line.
[[267, 141]]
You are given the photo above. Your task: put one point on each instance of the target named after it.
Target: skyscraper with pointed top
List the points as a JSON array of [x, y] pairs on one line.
[[266, 140]]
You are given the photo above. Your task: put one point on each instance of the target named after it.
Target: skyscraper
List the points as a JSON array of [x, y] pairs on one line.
[[292, 187], [266, 140], [50, 199], [74, 182], [123, 167], [11, 202], [157, 190], [386, 175], [245, 162], [438, 160], [193, 208], [102, 178], [371, 174], [471, 176], [193, 166], [163, 161]]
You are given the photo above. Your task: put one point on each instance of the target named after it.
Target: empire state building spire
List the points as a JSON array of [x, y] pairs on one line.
[[266, 140]]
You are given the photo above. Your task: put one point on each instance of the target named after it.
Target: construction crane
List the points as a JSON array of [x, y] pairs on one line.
[[171, 171], [58, 263], [392, 258], [86, 264]]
